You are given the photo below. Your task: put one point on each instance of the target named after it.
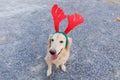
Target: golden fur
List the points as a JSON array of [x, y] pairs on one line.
[[62, 57]]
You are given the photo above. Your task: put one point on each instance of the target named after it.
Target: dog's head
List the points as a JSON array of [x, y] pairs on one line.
[[57, 43]]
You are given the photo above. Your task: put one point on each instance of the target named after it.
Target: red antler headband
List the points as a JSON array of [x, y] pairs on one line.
[[58, 16]]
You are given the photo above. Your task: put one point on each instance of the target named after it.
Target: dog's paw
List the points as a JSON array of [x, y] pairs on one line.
[[49, 73], [63, 68]]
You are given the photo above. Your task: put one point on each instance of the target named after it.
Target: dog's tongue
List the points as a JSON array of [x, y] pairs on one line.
[[53, 57]]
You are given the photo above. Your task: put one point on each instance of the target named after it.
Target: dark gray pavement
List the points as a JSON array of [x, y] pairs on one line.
[[26, 24]]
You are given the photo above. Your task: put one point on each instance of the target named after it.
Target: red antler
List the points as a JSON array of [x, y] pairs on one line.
[[73, 21], [58, 16]]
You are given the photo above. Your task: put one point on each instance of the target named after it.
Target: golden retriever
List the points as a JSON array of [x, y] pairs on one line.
[[58, 52], [59, 43]]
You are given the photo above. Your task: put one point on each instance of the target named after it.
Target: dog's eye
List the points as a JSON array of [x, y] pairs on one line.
[[52, 40], [61, 41]]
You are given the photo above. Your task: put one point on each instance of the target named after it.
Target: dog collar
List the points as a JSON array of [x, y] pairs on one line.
[[65, 37]]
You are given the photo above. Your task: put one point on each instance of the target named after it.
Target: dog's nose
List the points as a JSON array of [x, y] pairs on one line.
[[52, 52]]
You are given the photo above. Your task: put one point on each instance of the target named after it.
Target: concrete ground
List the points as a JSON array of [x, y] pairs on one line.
[[25, 27]]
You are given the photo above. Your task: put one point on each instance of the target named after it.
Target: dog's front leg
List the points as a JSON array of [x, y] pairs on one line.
[[49, 71], [63, 67]]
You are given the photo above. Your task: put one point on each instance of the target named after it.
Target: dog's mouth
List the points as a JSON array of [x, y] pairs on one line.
[[54, 57]]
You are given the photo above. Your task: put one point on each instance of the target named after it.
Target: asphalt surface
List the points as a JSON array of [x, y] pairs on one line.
[[25, 27]]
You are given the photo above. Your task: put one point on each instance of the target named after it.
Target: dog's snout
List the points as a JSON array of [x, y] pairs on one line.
[[52, 52]]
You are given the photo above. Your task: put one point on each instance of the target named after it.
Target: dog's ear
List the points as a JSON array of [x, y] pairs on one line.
[[69, 43], [49, 40]]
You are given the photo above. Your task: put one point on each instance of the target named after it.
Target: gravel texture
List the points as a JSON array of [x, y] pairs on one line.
[[26, 24]]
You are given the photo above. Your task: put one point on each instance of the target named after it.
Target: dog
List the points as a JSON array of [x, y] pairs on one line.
[[59, 43], [58, 52]]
